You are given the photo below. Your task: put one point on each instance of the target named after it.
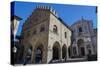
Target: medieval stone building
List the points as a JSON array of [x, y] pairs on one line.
[[45, 36]]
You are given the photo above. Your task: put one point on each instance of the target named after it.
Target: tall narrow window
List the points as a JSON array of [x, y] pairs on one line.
[[65, 34], [55, 29], [80, 29]]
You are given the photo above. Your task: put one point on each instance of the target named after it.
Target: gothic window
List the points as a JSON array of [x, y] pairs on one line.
[[42, 29], [80, 29], [65, 34], [55, 30]]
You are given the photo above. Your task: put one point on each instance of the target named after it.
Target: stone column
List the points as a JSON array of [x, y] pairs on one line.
[[92, 48], [44, 56], [85, 48], [60, 56], [33, 56], [77, 51], [49, 54]]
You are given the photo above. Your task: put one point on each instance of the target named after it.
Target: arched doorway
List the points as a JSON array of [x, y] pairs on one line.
[[39, 54], [64, 52], [81, 49], [56, 51], [88, 50]]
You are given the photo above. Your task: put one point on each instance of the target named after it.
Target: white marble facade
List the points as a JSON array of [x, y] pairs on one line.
[[82, 38]]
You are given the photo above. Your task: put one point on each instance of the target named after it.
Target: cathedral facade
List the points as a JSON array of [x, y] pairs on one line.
[[83, 38], [45, 36]]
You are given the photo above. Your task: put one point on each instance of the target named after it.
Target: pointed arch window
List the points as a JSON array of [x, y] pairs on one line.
[[65, 34], [80, 29], [55, 29]]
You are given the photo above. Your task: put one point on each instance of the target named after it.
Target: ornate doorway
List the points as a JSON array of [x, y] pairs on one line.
[[81, 50]]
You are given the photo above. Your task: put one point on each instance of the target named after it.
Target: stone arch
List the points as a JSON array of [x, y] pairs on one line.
[[56, 51], [81, 49], [64, 52], [38, 53], [80, 42], [80, 29]]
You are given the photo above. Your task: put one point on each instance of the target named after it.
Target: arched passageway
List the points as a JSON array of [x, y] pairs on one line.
[[64, 52], [88, 49], [56, 51], [81, 49], [39, 54]]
